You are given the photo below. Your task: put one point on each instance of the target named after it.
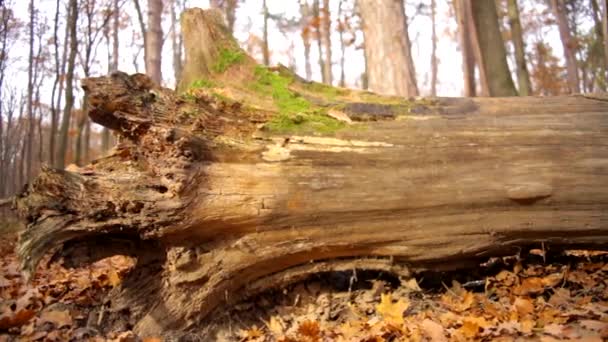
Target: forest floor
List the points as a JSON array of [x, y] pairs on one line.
[[536, 296]]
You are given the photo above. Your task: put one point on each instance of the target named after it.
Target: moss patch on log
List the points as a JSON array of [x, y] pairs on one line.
[[227, 58], [295, 113]]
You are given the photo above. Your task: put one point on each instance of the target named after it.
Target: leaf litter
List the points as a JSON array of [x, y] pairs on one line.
[[511, 300]]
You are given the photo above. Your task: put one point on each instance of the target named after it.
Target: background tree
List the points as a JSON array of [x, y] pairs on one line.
[[69, 86], [390, 69], [434, 61], [154, 41], [523, 77], [568, 44], [492, 47], [466, 46], [326, 37], [228, 8]]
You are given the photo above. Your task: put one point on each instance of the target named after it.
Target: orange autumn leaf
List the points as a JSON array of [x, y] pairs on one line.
[[310, 329]]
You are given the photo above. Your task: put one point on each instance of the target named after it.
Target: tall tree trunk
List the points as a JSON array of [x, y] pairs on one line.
[[605, 34], [316, 25], [342, 45], [142, 28], [112, 67], [115, 36], [492, 47], [326, 31], [433, 49], [4, 29], [69, 86], [231, 14], [176, 44], [569, 46], [265, 48], [306, 36], [228, 8], [154, 41], [466, 47], [523, 77], [387, 48], [29, 138], [78, 146]]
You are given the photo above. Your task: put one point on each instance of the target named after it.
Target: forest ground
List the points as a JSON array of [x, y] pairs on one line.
[[536, 295]]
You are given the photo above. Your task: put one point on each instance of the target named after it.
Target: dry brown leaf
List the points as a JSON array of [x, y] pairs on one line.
[[10, 319], [433, 330], [523, 306], [537, 285], [392, 312], [58, 318], [594, 325], [556, 330], [459, 303]]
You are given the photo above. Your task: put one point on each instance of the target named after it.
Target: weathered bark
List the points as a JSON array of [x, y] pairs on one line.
[[154, 41], [220, 199], [493, 53], [523, 77], [568, 45], [387, 48]]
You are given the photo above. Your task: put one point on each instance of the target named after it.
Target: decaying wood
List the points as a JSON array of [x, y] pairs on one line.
[[217, 206]]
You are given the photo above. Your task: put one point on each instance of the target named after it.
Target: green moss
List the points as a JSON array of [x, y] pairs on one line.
[[295, 113], [202, 83], [325, 90], [227, 58], [188, 97]]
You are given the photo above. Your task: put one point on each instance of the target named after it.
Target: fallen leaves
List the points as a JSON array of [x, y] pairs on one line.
[[53, 306], [530, 302], [392, 312]]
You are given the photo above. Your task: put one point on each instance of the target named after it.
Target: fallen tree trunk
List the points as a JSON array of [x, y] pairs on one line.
[[251, 178]]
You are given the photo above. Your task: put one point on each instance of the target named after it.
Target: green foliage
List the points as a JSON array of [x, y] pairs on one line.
[[296, 114], [227, 58], [325, 90], [202, 83]]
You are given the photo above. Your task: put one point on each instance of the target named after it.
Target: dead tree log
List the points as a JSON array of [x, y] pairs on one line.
[[252, 178]]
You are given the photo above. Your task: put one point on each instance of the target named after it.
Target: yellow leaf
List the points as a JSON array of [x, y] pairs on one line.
[[275, 325], [392, 312]]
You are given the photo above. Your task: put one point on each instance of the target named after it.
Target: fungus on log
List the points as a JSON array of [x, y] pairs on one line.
[[251, 178]]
